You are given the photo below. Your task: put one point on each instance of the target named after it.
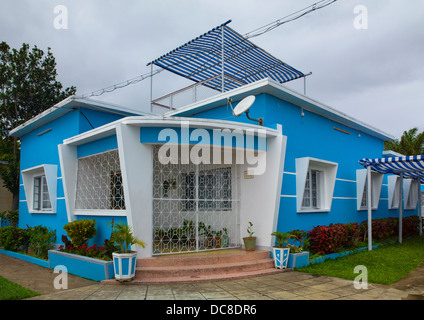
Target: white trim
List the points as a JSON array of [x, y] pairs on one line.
[[376, 186], [107, 213], [288, 195], [410, 192], [157, 121], [28, 175], [393, 185], [328, 180], [345, 180], [69, 167], [344, 198], [68, 105]]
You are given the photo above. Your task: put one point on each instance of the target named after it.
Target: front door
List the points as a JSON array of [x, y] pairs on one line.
[[195, 207]]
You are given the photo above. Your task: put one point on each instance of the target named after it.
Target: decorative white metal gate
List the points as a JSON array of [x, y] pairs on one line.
[[195, 207]]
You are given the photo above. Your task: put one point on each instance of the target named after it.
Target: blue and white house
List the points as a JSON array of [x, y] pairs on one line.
[[191, 177]]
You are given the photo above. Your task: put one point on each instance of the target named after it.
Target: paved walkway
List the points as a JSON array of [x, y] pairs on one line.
[[290, 285]]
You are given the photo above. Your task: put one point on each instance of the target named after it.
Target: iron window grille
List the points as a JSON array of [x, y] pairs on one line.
[[99, 182]]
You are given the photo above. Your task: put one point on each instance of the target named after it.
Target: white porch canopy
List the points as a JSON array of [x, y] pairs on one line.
[[410, 167]]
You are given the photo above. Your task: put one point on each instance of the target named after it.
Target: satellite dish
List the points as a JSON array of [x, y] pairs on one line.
[[243, 105]]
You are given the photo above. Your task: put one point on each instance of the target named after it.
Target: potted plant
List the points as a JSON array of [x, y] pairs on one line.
[[209, 237], [124, 260], [281, 252], [298, 257], [224, 238], [250, 241], [218, 239]]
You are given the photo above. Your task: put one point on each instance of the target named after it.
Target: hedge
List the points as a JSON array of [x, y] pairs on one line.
[[335, 237]]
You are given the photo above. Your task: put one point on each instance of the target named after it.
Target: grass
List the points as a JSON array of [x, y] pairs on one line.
[[12, 291], [385, 265]]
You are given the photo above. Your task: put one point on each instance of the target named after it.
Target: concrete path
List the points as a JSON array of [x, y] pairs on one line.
[[287, 285]]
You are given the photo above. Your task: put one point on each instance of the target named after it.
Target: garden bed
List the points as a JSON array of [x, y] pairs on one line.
[[25, 257], [86, 267]]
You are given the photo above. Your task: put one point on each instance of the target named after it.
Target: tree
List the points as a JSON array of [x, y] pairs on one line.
[[28, 86], [411, 143]]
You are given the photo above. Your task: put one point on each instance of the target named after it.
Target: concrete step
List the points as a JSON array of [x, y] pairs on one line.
[[202, 267], [204, 258], [202, 278]]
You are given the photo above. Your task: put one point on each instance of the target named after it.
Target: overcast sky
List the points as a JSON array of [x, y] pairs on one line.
[[375, 75]]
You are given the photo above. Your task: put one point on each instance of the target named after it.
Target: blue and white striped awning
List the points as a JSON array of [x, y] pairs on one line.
[[201, 59], [411, 166]]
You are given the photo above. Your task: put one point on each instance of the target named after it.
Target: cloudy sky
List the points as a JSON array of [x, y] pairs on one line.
[[375, 74]]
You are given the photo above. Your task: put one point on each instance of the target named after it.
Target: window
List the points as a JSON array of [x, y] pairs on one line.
[[411, 193], [116, 191], [41, 197], [311, 195], [362, 189], [214, 190], [315, 180], [393, 189], [40, 186], [99, 182]]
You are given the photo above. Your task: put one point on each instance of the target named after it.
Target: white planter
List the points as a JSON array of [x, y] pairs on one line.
[[281, 257], [124, 265]]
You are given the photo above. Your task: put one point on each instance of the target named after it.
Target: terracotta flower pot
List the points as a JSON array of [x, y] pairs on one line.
[[250, 243]]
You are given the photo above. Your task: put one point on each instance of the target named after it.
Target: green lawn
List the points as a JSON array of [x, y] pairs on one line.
[[13, 291], [385, 264]]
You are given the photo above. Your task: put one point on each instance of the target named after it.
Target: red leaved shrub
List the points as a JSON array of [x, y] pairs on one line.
[[330, 239], [336, 237]]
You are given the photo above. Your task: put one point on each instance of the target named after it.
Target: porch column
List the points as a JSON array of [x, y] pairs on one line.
[[369, 207], [419, 206], [400, 206]]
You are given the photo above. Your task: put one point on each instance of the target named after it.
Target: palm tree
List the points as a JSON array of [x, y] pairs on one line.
[[411, 143]]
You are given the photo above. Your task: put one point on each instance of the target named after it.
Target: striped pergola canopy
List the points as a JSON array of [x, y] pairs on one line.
[[223, 60], [410, 166]]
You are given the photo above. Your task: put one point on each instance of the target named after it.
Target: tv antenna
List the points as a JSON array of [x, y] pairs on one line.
[[243, 107]]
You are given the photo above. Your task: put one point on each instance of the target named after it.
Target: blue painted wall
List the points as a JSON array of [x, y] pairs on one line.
[[43, 149], [314, 136]]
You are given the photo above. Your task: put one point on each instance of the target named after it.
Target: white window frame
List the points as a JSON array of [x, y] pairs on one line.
[[42, 196], [327, 172], [361, 187], [312, 193], [410, 191], [393, 182], [49, 172]]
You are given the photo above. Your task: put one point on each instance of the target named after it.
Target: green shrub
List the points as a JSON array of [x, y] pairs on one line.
[[80, 231], [41, 240], [13, 238]]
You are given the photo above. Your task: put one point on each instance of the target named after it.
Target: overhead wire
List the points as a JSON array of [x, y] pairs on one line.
[[254, 33]]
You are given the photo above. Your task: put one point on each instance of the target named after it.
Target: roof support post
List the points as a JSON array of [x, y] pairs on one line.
[[400, 205], [420, 214], [369, 207], [222, 60], [151, 88]]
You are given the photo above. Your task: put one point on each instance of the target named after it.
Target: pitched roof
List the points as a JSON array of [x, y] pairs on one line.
[[65, 106]]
